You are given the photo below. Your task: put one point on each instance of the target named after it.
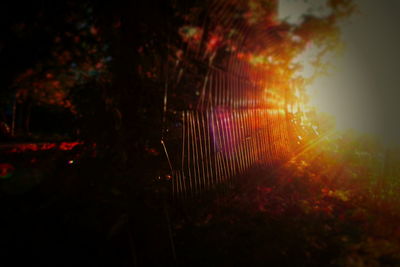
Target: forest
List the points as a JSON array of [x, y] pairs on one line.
[[180, 133]]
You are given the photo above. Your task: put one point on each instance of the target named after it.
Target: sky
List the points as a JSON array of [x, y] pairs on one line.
[[362, 90]]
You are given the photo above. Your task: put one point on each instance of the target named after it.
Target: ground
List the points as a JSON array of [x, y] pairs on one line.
[[84, 213]]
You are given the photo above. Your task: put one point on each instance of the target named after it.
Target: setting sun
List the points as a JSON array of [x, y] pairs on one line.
[[357, 84]]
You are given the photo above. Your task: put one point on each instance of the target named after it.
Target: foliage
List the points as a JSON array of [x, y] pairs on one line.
[[77, 54], [297, 214]]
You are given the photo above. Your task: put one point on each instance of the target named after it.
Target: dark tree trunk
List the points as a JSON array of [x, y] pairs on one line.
[[138, 31]]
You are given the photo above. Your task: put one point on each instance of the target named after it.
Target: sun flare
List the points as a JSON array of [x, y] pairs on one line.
[[356, 84]]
